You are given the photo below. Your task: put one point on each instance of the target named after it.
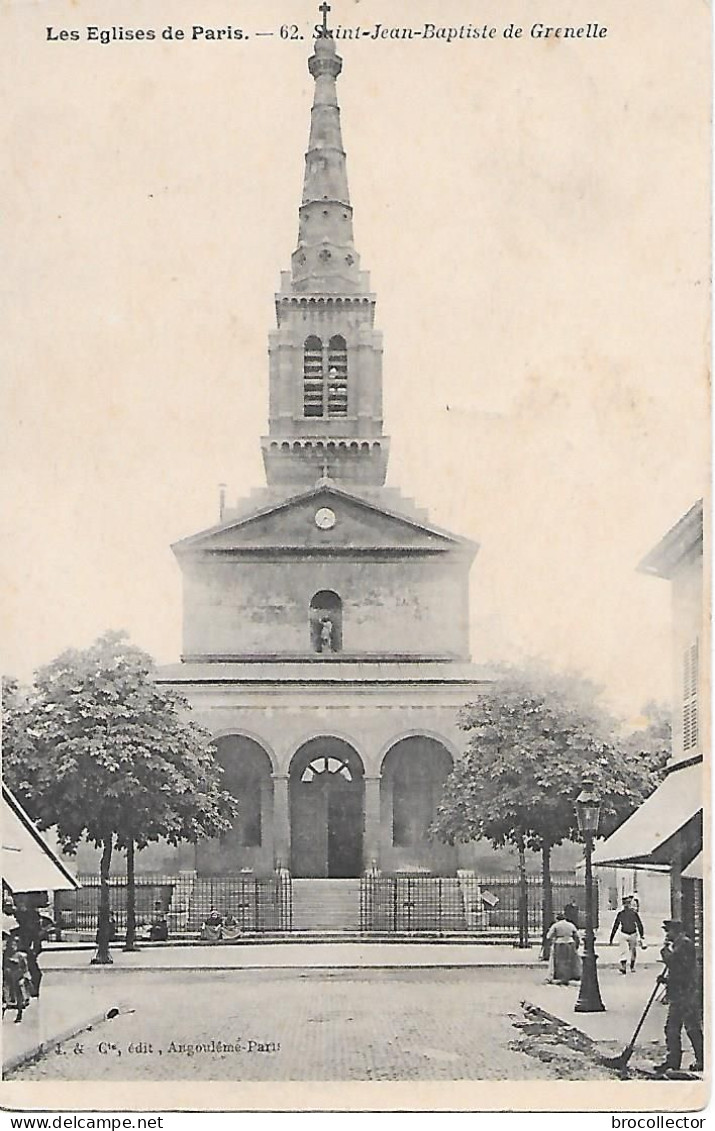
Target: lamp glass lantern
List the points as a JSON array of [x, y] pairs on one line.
[[588, 810]]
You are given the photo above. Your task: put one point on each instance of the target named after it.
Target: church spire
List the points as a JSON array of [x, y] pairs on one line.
[[325, 260], [325, 410]]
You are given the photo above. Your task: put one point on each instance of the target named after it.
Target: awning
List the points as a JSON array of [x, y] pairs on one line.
[[28, 862], [675, 802], [694, 870]]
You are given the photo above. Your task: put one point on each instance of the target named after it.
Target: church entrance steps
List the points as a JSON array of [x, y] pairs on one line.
[[321, 906]]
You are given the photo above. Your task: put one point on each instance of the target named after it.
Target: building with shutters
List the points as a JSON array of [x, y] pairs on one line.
[[666, 831]]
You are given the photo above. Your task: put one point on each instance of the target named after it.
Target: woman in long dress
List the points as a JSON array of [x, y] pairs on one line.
[[564, 961]]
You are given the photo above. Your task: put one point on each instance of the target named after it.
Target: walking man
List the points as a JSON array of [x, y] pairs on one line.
[[631, 928], [681, 976]]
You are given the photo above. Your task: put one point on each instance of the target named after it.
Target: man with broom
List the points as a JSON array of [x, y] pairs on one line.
[[681, 976]]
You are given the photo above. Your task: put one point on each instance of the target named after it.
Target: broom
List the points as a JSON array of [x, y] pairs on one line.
[[621, 1061]]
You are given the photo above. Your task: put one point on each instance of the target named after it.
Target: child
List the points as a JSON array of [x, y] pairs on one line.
[[16, 982]]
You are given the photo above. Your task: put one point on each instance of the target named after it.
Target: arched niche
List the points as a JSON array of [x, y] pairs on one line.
[[326, 622]]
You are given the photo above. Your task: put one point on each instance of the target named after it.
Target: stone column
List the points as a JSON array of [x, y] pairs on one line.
[[281, 820], [371, 847], [676, 884]]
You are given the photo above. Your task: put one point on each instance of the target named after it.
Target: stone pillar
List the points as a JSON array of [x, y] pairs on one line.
[[371, 846], [676, 884], [281, 820]]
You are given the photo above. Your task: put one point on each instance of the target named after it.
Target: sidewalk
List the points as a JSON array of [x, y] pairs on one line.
[[59, 1013], [310, 955]]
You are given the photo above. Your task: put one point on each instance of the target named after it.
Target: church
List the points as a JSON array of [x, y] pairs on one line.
[[325, 617]]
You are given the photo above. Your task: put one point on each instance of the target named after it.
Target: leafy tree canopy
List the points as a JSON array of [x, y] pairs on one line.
[[651, 742], [534, 737], [98, 749]]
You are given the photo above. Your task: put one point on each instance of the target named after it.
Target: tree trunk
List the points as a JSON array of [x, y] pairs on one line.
[[547, 897], [523, 896], [102, 956], [131, 938]]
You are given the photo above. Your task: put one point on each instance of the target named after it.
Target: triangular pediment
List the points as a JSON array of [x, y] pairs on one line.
[[328, 520]]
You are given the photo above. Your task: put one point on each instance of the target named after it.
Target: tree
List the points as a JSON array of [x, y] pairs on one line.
[[534, 737], [652, 742], [98, 749]]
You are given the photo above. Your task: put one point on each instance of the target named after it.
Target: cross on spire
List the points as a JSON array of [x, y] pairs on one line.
[[324, 8]]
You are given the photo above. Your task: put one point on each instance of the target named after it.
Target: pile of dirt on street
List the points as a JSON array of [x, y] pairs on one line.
[[568, 1051]]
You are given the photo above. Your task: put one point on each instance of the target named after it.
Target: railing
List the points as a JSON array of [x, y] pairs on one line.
[[264, 904], [255, 904], [464, 903]]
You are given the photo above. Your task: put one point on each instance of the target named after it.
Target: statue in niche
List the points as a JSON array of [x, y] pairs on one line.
[[326, 634]]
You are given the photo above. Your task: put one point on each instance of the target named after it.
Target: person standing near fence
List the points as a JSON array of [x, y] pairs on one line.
[[631, 929], [564, 961]]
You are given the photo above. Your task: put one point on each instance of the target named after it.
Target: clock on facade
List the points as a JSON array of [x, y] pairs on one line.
[[325, 518]]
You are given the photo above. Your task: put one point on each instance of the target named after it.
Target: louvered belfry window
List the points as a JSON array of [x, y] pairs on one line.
[[337, 377], [690, 697], [313, 377], [325, 377]]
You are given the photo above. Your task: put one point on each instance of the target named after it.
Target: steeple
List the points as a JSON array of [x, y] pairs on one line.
[[325, 260], [325, 355]]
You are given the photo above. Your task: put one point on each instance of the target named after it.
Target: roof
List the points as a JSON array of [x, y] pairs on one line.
[[28, 862], [255, 533], [679, 543], [676, 801], [694, 870]]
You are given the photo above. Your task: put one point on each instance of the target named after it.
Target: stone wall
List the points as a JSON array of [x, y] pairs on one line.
[[407, 606]]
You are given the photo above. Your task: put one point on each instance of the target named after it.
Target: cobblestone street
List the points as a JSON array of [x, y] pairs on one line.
[[313, 1025]]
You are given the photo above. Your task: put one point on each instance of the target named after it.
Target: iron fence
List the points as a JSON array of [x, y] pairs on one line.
[[252, 903], [464, 903]]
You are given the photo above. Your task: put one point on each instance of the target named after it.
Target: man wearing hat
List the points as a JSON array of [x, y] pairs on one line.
[[631, 927], [682, 979]]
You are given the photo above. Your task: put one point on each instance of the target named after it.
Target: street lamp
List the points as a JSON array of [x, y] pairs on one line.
[[588, 809]]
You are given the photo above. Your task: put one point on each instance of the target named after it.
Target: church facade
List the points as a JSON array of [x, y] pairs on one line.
[[326, 620]]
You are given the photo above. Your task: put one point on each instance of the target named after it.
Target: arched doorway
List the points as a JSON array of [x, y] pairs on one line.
[[326, 809], [248, 843], [414, 771]]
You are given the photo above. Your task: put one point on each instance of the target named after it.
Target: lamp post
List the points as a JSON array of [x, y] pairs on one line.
[[588, 808]]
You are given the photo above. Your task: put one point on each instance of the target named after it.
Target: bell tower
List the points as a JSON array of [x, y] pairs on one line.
[[325, 412]]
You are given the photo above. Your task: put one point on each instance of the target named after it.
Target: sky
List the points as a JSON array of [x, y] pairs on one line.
[[534, 215]]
